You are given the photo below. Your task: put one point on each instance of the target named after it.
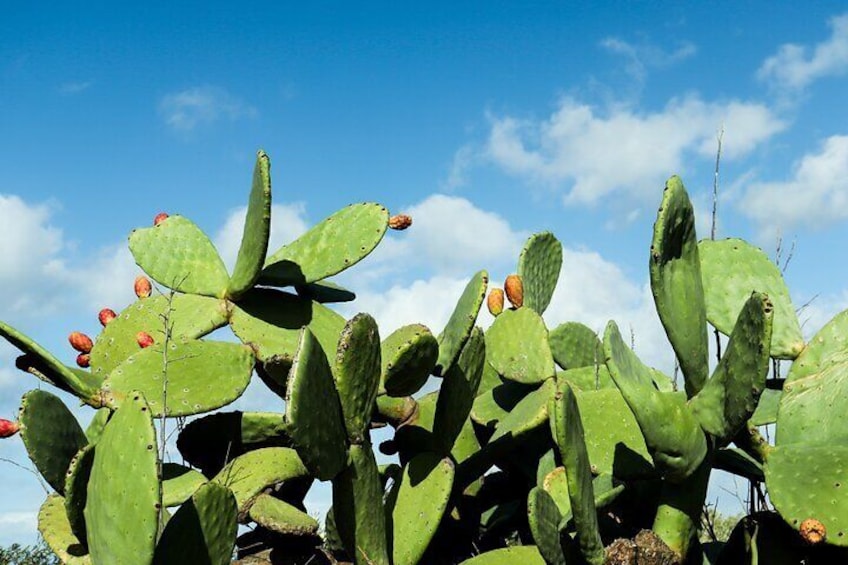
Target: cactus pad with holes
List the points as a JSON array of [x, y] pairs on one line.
[[409, 355], [357, 373], [517, 347], [462, 320], [538, 266]]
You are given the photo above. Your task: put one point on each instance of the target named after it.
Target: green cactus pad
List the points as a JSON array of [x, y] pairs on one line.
[[395, 411], [41, 363], [458, 391], [257, 230], [766, 411], [357, 374], [281, 517], [338, 242], [489, 380], [249, 474], [417, 504], [493, 406], [588, 378], [524, 554], [575, 345], [409, 355], [123, 492], [201, 376], [416, 435], [673, 436], [178, 255], [203, 530], [358, 508], [56, 530], [209, 442], [179, 483], [538, 266], [517, 345], [76, 490], [734, 460], [324, 292], [567, 430], [676, 284], [613, 438], [190, 317], [732, 269], [809, 481], [556, 485], [544, 518], [530, 413], [313, 411], [730, 397], [270, 320], [51, 435], [461, 322], [828, 348], [97, 424]]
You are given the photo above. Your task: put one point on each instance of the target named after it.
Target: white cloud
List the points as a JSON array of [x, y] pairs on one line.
[[185, 110], [794, 66], [463, 160], [815, 195], [643, 56], [76, 87], [592, 153], [288, 221]]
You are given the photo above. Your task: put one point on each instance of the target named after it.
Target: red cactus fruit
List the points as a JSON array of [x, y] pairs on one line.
[[514, 288], [8, 428], [106, 315], [495, 301], [160, 217], [142, 286], [84, 360], [144, 339], [80, 342], [400, 222]]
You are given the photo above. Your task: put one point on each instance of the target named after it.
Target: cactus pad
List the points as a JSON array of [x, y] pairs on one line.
[[517, 346], [588, 378], [76, 490], [732, 269], [524, 554], [538, 266], [249, 474], [357, 374], [528, 414], [676, 283], [544, 519], [766, 411], [51, 435], [313, 411], [257, 230], [324, 292], [121, 513], [458, 391], [828, 348], [201, 376], [179, 483], [56, 530], [409, 355], [338, 242], [461, 322], [281, 517], [494, 405], [575, 345], [178, 255]]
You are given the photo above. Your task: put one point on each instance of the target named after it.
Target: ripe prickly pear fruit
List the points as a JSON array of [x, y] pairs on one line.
[[106, 315], [8, 428], [813, 531], [142, 286], [160, 217], [144, 339], [400, 221], [495, 301], [514, 290], [80, 342], [84, 360]]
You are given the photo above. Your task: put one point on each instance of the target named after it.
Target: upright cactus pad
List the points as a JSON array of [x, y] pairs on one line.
[[408, 358], [459, 391], [338, 242], [732, 269], [544, 519], [461, 322], [517, 346], [575, 345], [538, 266], [76, 490], [257, 230], [675, 270], [178, 255], [56, 530], [357, 374], [179, 483]]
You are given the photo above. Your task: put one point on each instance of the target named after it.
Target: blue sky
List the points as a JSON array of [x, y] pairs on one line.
[[486, 121]]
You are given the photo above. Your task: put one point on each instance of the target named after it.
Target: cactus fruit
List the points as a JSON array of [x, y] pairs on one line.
[[144, 339], [813, 531], [495, 301], [84, 360], [159, 218], [514, 289], [142, 286], [106, 315], [8, 428], [80, 342], [400, 222]]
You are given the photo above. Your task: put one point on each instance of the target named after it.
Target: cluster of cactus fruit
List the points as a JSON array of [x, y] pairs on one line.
[[537, 446]]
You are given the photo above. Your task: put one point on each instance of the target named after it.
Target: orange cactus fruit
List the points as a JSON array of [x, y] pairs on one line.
[[142, 286], [106, 315], [160, 217], [80, 342], [8, 428], [144, 339], [495, 301], [514, 290], [813, 531], [84, 360], [400, 222]]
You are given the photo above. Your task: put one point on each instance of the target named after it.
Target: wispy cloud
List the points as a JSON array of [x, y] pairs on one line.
[[74, 87], [794, 67], [185, 110], [644, 56]]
